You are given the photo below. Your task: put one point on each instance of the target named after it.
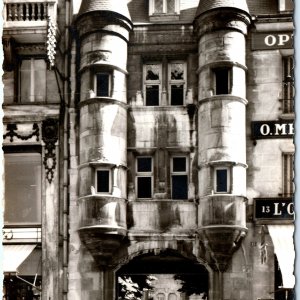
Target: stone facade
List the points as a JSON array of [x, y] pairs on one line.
[[152, 163]]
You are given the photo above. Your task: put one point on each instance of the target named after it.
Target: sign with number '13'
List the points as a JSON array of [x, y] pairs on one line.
[[274, 209]]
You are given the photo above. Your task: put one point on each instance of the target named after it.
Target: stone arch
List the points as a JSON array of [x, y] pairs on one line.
[[172, 267], [154, 248]]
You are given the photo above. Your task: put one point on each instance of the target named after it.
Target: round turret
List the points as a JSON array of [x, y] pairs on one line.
[[112, 6], [208, 5]]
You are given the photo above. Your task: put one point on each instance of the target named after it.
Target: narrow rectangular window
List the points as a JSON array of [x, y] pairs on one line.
[[177, 82], [179, 177], [222, 81], [288, 174], [144, 179], [32, 79], [222, 180], [288, 84], [103, 178], [152, 84], [103, 84], [23, 192]]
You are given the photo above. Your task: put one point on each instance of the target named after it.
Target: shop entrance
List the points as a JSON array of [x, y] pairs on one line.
[[166, 276]]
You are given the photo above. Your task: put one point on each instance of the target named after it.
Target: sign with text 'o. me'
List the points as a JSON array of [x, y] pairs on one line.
[[272, 129], [276, 40]]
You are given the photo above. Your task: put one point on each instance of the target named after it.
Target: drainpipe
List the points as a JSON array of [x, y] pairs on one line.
[[66, 151]]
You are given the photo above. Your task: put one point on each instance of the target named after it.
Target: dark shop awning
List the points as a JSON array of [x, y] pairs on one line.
[[283, 241], [14, 256]]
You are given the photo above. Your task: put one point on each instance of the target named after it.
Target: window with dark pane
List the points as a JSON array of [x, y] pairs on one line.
[[144, 187], [102, 84], [179, 187], [152, 95], [221, 180], [144, 177], [152, 84], [179, 164], [176, 94], [144, 164], [179, 178], [222, 81], [103, 181]]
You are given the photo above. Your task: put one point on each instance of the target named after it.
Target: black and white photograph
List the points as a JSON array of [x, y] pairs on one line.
[[148, 150]]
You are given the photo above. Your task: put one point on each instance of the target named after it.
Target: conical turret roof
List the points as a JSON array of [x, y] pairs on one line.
[[206, 5], [115, 6]]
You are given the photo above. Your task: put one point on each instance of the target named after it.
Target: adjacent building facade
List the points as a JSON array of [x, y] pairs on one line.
[[148, 139]]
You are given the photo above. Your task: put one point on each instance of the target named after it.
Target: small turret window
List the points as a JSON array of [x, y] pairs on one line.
[[222, 180], [102, 84], [103, 180], [223, 80]]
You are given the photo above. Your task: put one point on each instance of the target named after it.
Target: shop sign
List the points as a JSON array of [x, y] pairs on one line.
[[273, 209], [272, 129], [276, 40]]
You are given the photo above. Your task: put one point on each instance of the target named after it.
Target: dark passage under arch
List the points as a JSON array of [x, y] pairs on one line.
[[155, 274]]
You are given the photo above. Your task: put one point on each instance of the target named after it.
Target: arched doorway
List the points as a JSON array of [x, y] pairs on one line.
[[167, 275]]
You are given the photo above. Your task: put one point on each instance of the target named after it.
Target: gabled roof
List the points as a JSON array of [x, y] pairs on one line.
[[206, 5], [115, 6]]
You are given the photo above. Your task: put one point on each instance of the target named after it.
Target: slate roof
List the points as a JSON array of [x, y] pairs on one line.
[[116, 6], [206, 5]]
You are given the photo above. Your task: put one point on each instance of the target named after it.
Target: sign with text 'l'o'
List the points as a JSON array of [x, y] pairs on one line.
[[272, 129], [273, 209], [276, 40]]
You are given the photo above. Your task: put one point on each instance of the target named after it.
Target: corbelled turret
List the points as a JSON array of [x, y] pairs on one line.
[[103, 28], [221, 27]]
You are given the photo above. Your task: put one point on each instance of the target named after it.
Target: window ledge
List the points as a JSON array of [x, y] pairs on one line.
[[287, 116], [163, 17], [37, 112]]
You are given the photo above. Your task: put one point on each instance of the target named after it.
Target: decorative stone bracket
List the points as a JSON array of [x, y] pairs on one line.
[[50, 137]]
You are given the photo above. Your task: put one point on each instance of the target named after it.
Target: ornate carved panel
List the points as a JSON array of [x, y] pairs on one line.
[[50, 137]]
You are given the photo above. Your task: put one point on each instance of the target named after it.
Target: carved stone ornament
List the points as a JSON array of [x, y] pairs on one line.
[[50, 137], [99, 55], [12, 132]]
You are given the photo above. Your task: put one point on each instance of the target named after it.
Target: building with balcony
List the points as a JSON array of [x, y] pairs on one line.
[[152, 145]]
